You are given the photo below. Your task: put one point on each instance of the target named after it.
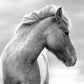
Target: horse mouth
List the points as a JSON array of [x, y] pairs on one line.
[[67, 59], [71, 62]]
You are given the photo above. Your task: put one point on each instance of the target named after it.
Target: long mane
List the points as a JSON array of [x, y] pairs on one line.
[[38, 15]]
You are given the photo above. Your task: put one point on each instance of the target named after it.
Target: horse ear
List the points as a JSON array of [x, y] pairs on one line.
[[59, 13]]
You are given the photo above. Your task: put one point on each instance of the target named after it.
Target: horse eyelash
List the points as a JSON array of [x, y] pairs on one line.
[[66, 32]]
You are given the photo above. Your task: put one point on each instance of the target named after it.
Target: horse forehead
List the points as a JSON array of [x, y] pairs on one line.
[[63, 26], [66, 22], [63, 23]]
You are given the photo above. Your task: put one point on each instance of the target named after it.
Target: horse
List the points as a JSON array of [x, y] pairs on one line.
[[45, 28]]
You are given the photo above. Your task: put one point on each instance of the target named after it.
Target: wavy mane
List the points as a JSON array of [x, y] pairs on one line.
[[38, 15]]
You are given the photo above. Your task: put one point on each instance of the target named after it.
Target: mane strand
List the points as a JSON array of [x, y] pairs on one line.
[[38, 15]]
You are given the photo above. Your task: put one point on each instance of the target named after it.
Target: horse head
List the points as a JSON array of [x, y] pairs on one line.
[[58, 39]]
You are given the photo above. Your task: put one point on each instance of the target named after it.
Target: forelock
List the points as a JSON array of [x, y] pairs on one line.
[[67, 21]]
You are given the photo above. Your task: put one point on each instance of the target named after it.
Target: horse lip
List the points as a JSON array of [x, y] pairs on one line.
[[70, 63]]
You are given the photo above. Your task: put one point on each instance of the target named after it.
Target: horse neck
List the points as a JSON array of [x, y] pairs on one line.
[[35, 41]]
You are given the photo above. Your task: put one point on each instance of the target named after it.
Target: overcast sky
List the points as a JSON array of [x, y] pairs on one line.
[[11, 13]]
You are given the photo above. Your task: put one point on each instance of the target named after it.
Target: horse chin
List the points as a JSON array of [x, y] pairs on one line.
[[69, 63]]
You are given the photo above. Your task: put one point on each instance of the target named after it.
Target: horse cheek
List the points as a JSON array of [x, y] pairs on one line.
[[51, 41]]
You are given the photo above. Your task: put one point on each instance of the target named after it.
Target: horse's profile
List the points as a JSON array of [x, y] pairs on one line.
[[46, 28]]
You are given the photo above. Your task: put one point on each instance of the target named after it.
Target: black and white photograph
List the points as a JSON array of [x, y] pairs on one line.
[[41, 42]]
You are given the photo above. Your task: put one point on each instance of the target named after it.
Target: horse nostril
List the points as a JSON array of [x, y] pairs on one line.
[[73, 61]]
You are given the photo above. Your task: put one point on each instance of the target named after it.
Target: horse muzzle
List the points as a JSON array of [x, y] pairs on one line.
[[71, 62]]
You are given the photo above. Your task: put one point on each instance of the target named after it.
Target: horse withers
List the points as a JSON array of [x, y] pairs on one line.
[[46, 28]]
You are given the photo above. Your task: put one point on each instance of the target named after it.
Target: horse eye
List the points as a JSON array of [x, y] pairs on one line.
[[66, 32]]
